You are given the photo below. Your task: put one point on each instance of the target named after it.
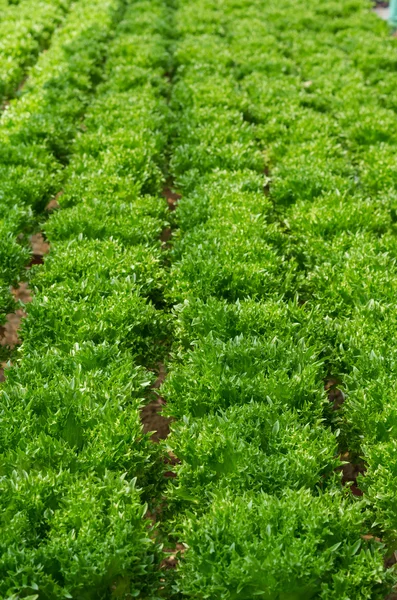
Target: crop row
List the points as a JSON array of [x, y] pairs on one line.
[[334, 186], [283, 283], [25, 30], [342, 231], [37, 130], [77, 471]]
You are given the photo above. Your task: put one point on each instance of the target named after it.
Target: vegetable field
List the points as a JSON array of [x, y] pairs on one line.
[[202, 398]]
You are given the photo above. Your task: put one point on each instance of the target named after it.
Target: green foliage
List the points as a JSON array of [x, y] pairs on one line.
[[283, 278], [217, 374], [79, 409], [37, 130], [293, 548], [257, 446], [77, 471], [97, 290], [93, 537], [25, 30]]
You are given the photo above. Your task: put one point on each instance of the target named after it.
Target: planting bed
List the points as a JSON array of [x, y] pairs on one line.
[[215, 187]]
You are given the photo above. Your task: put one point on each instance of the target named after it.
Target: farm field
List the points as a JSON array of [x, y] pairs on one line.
[[198, 282]]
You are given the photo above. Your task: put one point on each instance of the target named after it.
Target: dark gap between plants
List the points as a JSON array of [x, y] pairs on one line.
[[152, 419], [17, 92], [353, 465], [172, 198]]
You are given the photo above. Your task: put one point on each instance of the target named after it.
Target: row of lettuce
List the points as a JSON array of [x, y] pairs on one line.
[[77, 472], [283, 282], [37, 130], [26, 28], [346, 237]]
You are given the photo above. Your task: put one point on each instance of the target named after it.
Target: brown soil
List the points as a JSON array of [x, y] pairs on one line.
[[335, 395], [53, 203], [9, 332], [39, 248], [166, 235], [172, 560], [352, 468], [151, 417], [350, 472], [171, 196], [153, 421], [9, 337]]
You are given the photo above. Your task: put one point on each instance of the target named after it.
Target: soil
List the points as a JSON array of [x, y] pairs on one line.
[[151, 417], [9, 332], [335, 395], [39, 248], [166, 235], [350, 472], [171, 196], [172, 560], [53, 203], [153, 421], [352, 468]]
